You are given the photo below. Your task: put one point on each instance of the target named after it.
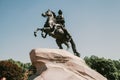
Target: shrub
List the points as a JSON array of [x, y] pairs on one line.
[[107, 67], [10, 71]]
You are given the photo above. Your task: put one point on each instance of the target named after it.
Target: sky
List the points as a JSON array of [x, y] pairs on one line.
[[93, 24]]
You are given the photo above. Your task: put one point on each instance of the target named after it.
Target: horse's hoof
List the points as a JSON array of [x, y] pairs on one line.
[[35, 34], [41, 29], [77, 54]]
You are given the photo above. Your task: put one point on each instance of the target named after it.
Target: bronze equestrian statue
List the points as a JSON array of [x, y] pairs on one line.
[[56, 29]]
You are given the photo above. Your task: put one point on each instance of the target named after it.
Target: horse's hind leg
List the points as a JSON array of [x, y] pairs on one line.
[[74, 48], [59, 44]]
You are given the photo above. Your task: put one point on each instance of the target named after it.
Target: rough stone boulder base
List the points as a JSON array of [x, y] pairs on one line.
[[56, 64]]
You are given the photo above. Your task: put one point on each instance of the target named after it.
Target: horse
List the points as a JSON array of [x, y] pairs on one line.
[[55, 30]]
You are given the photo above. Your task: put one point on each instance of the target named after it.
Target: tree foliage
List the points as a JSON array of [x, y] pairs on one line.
[[24, 66], [10, 71], [107, 67]]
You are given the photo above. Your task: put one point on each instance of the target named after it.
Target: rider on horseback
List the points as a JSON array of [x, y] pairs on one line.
[[60, 20], [56, 29]]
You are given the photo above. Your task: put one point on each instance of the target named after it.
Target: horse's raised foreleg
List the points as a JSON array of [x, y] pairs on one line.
[[35, 32], [59, 44], [74, 48], [44, 36], [42, 33]]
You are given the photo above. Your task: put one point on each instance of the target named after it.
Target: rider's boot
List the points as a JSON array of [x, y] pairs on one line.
[[67, 35]]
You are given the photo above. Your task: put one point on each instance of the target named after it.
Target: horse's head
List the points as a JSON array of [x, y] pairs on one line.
[[51, 20], [49, 13]]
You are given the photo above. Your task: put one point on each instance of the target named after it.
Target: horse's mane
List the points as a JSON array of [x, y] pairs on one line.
[[54, 14]]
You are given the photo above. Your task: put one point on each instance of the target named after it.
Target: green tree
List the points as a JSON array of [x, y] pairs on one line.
[[106, 67], [10, 71], [24, 66]]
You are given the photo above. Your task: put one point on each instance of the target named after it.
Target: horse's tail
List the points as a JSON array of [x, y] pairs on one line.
[[74, 48]]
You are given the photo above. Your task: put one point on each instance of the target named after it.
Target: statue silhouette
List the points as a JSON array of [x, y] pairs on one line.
[[57, 30]]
